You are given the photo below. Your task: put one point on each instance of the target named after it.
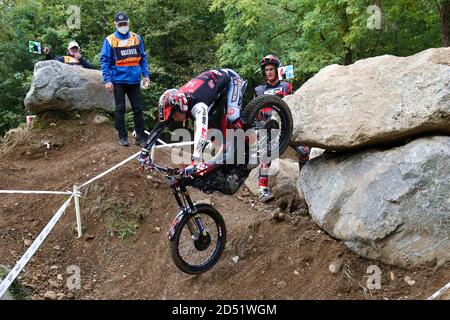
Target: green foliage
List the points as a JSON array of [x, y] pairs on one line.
[[179, 37], [311, 34], [17, 291], [120, 222], [183, 38], [121, 227]]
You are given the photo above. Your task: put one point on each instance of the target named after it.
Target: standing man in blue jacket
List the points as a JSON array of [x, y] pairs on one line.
[[123, 61]]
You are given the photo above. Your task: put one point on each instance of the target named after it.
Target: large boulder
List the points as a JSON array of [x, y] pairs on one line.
[[374, 101], [389, 205], [283, 175], [314, 153], [59, 86]]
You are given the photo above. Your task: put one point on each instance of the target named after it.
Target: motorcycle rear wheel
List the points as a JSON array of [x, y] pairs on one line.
[[281, 119]]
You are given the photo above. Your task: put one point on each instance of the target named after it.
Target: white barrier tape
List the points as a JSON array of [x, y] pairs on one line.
[[440, 292], [172, 145], [131, 158], [9, 279], [160, 141], [36, 192], [4, 285], [110, 169]]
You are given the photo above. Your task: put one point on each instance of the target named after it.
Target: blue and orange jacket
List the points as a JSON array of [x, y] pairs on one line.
[[123, 58], [69, 59]]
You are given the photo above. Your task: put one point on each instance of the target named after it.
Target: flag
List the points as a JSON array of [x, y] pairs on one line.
[[34, 47], [286, 72]]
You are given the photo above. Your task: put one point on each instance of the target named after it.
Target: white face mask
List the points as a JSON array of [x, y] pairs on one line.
[[123, 30], [73, 53]]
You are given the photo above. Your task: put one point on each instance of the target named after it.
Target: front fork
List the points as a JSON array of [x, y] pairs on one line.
[[187, 207]]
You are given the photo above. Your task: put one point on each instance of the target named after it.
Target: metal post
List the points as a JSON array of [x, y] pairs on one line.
[[76, 195]]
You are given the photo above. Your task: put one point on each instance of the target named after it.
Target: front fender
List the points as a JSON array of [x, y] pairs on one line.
[[175, 222], [180, 216]]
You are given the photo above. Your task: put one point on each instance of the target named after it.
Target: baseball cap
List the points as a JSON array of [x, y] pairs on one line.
[[120, 17], [73, 44]]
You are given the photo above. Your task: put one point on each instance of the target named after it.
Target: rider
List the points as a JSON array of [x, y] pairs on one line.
[[273, 85], [195, 99], [269, 70]]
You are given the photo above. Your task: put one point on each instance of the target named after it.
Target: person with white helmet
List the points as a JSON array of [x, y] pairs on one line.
[[72, 57]]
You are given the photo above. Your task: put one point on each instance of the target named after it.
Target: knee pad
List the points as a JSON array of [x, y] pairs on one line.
[[233, 114]]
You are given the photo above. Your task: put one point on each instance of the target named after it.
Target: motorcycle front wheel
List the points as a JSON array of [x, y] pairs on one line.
[[194, 251]]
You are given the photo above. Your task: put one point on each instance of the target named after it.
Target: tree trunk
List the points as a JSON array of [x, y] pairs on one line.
[[348, 58], [444, 12]]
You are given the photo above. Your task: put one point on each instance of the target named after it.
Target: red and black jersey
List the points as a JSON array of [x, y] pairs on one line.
[[206, 87], [282, 88]]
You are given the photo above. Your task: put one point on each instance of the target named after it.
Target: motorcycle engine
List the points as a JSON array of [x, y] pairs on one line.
[[226, 180]]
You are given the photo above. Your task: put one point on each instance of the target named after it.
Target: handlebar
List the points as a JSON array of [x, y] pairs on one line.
[[166, 170], [170, 172]]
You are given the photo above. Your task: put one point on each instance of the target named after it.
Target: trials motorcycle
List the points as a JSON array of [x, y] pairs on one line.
[[198, 233]]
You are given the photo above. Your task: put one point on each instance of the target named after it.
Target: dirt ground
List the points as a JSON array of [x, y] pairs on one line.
[[124, 252]]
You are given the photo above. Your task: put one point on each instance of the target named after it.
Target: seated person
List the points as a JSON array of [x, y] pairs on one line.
[[72, 57]]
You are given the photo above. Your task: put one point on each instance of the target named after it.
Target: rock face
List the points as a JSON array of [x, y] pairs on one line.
[[374, 101], [315, 152], [59, 86], [389, 205], [283, 175]]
